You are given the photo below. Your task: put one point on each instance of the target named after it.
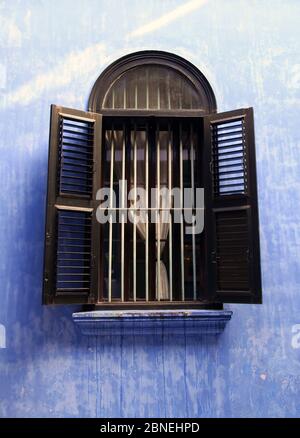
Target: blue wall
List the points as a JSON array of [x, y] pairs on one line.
[[52, 52]]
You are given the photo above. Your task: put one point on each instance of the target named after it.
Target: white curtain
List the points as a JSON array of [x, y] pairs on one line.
[[161, 228]]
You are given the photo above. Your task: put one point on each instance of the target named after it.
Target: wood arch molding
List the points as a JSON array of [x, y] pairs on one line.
[[152, 58]]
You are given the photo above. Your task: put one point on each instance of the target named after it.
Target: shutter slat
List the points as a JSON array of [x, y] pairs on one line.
[[84, 134], [230, 133], [232, 141], [85, 154], [228, 153]]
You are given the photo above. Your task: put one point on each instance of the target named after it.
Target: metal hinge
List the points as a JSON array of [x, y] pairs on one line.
[[46, 278]]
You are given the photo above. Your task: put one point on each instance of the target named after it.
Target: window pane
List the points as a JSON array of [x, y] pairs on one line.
[[160, 261], [152, 87]]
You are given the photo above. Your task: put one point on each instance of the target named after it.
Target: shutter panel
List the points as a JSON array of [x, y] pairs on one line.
[[231, 212], [72, 232]]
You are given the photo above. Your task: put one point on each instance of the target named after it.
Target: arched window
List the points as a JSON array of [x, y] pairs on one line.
[[152, 81], [131, 183]]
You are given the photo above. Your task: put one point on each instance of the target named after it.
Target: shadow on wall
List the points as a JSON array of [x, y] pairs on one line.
[[29, 324]]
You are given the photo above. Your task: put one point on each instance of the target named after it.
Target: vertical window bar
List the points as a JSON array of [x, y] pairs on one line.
[[135, 212], [168, 91], [123, 200], [176, 226], [191, 98], [152, 225], [158, 216], [113, 97], [192, 158], [110, 217], [170, 214], [147, 88], [181, 213], [158, 95], [124, 93], [147, 213], [136, 92], [127, 240], [180, 94]]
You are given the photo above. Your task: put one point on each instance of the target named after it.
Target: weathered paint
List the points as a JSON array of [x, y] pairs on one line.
[[152, 322], [52, 52]]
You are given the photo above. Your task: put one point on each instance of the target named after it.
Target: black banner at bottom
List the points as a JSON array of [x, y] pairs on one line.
[[137, 426]]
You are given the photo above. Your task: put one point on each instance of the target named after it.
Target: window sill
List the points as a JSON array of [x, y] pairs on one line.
[[149, 322]]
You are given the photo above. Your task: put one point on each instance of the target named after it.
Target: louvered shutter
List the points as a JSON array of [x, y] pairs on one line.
[[231, 212], [72, 232]]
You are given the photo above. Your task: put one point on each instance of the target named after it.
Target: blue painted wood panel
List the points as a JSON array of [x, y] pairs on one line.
[[52, 52]]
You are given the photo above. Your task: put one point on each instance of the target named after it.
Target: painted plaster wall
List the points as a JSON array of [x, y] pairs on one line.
[[52, 52]]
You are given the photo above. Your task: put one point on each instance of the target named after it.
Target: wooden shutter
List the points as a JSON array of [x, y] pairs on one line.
[[231, 213], [72, 233]]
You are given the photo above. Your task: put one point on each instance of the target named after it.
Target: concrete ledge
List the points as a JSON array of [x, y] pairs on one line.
[[149, 322]]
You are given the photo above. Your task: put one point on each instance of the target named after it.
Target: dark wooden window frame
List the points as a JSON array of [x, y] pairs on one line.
[[206, 115], [129, 119], [95, 104]]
